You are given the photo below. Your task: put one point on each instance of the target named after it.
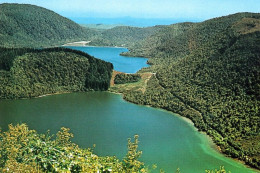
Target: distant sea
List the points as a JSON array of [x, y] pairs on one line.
[[138, 22]]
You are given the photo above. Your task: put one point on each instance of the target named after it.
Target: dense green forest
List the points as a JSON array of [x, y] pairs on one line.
[[210, 73], [122, 78], [100, 26], [33, 72], [23, 25], [161, 42], [123, 36]]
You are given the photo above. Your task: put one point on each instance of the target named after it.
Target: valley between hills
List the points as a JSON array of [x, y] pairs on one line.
[[208, 72]]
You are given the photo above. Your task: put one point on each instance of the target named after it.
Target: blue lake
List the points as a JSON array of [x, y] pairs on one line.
[[112, 54]]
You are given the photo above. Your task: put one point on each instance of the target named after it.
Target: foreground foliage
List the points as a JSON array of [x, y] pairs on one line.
[[24, 150], [210, 73], [30, 72]]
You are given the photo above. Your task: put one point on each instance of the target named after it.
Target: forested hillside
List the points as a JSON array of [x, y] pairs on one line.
[[165, 40], [125, 36], [122, 78], [23, 25], [210, 73], [28, 73]]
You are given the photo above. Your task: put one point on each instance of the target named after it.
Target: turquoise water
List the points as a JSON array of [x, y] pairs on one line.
[[105, 119], [111, 54]]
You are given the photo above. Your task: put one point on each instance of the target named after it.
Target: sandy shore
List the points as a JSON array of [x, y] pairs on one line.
[[79, 43], [85, 44], [52, 94]]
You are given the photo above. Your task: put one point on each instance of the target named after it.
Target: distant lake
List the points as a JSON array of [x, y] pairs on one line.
[[112, 54], [105, 119]]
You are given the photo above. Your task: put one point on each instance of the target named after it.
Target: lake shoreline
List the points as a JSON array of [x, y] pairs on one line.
[[209, 139], [85, 44], [51, 94], [211, 142]]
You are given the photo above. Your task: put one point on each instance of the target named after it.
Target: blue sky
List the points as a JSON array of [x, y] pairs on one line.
[[185, 9]]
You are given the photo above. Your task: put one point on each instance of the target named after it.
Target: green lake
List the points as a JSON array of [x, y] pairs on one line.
[[105, 119]]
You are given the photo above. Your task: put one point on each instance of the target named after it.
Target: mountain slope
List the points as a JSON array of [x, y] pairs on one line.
[[26, 73], [210, 73], [125, 36], [23, 25]]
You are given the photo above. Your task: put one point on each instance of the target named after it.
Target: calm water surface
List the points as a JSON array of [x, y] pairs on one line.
[[112, 54], [105, 119]]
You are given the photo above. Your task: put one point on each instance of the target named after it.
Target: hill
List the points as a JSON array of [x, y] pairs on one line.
[[161, 42], [100, 26], [123, 36], [23, 25], [210, 73], [26, 73]]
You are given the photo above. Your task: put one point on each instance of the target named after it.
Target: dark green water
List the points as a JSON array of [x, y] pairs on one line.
[[106, 120]]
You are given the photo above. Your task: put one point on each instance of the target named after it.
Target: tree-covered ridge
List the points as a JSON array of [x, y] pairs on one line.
[[161, 42], [30, 73], [181, 39], [124, 36], [122, 78], [24, 25], [210, 73]]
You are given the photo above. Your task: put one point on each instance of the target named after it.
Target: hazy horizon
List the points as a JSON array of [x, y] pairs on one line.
[[162, 12], [129, 21]]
